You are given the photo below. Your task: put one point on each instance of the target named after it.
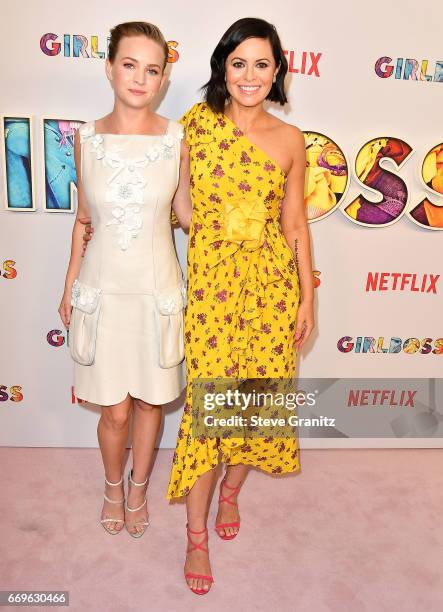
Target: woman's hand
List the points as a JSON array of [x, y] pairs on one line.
[[87, 235], [305, 322], [65, 308]]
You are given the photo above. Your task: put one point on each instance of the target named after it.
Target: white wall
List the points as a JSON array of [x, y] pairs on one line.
[[348, 102]]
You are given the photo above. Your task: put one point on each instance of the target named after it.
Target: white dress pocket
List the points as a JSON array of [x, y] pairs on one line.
[[169, 322], [86, 306]]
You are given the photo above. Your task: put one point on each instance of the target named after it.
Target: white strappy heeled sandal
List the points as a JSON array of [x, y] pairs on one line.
[[105, 521], [144, 524]]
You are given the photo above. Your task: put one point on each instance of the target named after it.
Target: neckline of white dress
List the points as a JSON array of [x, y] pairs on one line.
[[130, 135]]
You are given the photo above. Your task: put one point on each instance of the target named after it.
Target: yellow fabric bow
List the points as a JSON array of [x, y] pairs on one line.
[[244, 222]]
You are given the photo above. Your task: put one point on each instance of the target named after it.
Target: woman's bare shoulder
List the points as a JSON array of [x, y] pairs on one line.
[[285, 130], [161, 122], [288, 136], [102, 124]]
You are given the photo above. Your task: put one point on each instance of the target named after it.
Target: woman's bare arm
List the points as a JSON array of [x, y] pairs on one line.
[[181, 204], [295, 229], [82, 216]]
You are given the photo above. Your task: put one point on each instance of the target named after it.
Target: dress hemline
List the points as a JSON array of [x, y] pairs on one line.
[[262, 468], [108, 404]]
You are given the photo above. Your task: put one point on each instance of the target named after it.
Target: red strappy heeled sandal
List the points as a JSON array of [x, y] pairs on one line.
[[227, 500], [198, 546]]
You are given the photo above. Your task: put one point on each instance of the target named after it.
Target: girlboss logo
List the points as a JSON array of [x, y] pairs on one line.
[[78, 45], [409, 69], [369, 344], [12, 393], [55, 337], [8, 270]]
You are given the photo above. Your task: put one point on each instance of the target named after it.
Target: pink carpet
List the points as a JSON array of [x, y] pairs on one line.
[[354, 531]]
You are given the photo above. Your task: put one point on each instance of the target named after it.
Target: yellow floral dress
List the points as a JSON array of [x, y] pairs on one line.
[[243, 289]]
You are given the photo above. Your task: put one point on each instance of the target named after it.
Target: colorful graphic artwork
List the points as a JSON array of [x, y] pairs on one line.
[[17, 163], [426, 213], [59, 165], [326, 175], [392, 188]]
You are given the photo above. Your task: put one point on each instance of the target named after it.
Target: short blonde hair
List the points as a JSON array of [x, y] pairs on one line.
[[136, 28]]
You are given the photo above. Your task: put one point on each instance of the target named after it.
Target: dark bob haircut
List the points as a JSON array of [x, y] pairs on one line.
[[215, 90]]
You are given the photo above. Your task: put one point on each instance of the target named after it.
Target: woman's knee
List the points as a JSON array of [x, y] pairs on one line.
[[144, 407], [116, 418]]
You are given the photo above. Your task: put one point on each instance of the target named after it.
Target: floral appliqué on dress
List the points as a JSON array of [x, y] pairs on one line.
[[126, 185]]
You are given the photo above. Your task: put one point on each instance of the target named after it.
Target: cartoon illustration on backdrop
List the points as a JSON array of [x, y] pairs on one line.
[[376, 178], [18, 171], [326, 175], [58, 165], [426, 213]]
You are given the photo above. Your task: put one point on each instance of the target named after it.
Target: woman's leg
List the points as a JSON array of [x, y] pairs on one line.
[[145, 427], [228, 512], [112, 432], [197, 504]]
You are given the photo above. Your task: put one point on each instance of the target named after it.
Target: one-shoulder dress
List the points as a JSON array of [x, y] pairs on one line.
[[243, 290]]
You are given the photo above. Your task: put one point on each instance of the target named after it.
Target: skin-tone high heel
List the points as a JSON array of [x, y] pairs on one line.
[[143, 523], [198, 546], [105, 521], [227, 500]]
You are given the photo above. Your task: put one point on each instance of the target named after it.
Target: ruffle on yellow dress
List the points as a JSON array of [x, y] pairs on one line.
[[243, 289]]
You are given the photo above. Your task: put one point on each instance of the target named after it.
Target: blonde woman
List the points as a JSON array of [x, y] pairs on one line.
[[124, 301]]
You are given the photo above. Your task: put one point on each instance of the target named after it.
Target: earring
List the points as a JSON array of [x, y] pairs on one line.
[[275, 78]]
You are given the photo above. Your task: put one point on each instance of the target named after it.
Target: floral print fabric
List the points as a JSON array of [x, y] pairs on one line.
[[243, 289]]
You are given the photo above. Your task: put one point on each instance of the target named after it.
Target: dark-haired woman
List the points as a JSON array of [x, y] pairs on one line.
[[250, 289], [123, 302]]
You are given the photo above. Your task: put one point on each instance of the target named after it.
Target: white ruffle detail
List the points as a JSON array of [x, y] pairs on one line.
[[128, 221], [111, 156], [126, 185], [168, 140], [184, 293], [84, 297], [86, 131], [125, 192], [153, 154], [170, 301], [180, 132], [97, 146]]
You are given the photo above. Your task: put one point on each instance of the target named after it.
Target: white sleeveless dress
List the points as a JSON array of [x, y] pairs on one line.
[[129, 182]]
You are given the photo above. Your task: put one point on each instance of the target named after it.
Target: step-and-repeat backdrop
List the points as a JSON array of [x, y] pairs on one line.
[[365, 84]]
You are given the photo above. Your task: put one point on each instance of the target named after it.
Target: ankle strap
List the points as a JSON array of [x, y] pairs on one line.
[[196, 532], [197, 545], [227, 498], [225, 484], [135, 509], [113, 501], [137, 484], [114, 484]]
